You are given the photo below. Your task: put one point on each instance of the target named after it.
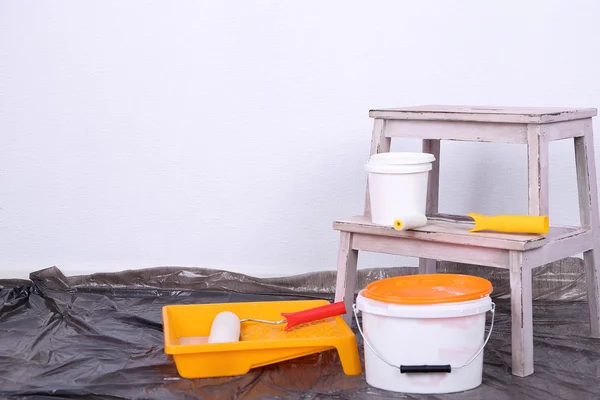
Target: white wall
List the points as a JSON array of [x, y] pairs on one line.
[[230, 134]]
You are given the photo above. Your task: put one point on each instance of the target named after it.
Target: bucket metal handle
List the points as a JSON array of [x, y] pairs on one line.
[[407, 369]]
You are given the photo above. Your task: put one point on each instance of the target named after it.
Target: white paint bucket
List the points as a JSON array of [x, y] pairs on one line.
[[425, 334], [398, 185]]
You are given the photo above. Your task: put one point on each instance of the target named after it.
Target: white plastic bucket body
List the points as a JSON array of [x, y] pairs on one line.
[[436, 334], [397, 185]]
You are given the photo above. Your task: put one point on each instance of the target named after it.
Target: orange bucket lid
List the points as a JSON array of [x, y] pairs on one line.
[[428, 289]]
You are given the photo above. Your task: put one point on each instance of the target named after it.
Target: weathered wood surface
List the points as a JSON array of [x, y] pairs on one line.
[[527, 115], [585, 163], [449, 232], [521, 315], [491, 257], [426, 265], [346, 274], [537, 162], [565, 245], [458, 130], [565, 130]]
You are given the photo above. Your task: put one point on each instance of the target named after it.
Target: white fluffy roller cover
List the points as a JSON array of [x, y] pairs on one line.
[[225, 328], [407, 222]]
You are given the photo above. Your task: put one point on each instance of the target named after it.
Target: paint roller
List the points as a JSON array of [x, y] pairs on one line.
[[498, 223], [227, 325]]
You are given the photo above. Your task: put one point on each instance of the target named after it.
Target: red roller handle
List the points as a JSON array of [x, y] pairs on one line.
[[314, 314]]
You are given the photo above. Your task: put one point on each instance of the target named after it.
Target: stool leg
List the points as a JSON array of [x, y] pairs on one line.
[[537, 161], [588, 213], [346, 274], [522, 315], [427, 266]]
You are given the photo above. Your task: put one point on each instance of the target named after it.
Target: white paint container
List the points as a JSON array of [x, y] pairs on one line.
[[398, 185], [425, 348]]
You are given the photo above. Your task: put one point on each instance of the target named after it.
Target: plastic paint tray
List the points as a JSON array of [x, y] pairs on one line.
[[186, 328]]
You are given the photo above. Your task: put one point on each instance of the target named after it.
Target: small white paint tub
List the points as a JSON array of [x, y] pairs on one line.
[[425, 334], [398, 185]]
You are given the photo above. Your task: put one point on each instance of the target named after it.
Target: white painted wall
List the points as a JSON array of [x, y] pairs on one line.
[[230, 134]]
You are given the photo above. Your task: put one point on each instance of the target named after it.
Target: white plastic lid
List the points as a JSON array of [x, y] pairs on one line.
[[400, 163], [423, 311], [401, 158]]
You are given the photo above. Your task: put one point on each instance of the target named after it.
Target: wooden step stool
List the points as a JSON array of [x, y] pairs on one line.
[[450, 241]]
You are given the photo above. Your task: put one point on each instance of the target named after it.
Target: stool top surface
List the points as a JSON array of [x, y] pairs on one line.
[[525, 115], [456, 233]]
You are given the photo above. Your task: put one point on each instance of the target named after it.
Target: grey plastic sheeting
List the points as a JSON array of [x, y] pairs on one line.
[[100, 337]]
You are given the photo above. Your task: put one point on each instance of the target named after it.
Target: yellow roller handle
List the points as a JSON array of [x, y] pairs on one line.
[[510, 223]]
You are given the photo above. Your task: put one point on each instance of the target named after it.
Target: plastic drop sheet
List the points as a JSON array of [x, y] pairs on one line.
[[100, 337]]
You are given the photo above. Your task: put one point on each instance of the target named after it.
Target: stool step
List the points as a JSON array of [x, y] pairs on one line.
[[458, 233]]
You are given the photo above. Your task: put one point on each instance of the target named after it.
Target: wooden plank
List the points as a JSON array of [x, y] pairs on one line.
[[537, 162], [591, 264], [583, 182], [566, 245], [526, 115], [448, 232], [458, 130], [433, 186], [346, 274], [428, 266], [565, 129], [585, 165], [432, 250], [380, 143], [522, 315]]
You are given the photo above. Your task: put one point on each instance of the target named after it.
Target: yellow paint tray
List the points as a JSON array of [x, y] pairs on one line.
[[186, 328]]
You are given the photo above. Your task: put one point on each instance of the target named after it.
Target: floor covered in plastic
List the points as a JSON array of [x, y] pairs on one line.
[[100, 337]]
